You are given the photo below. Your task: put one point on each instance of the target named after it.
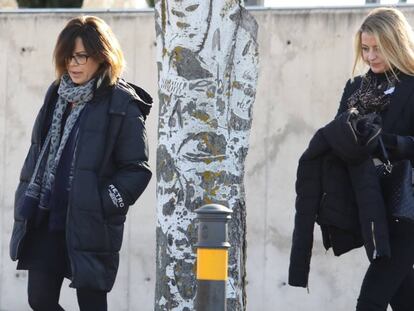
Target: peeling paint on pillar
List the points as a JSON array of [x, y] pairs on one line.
[[207, 74]]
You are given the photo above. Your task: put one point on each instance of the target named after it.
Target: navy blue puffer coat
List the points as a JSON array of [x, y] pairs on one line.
[[111, 172]]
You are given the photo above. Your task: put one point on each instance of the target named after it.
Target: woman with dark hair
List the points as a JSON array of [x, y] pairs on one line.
[[339, 184], [87, 163]]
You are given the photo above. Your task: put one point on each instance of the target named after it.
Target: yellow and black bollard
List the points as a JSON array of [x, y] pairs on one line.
[[212, 257]]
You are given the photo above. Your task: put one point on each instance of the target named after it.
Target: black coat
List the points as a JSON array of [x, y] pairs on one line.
[[112, 154], [314, 205], [337, 186]]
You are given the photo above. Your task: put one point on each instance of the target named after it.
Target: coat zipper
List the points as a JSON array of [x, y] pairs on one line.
[[20, 240], [373, 136], [76, 155], [374, 253], [323, 199], [72, 267], [321, 203]]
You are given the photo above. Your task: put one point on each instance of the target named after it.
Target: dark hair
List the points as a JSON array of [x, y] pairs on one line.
[[99, 41]]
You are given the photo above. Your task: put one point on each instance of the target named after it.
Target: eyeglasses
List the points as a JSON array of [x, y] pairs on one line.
[[80, 59]]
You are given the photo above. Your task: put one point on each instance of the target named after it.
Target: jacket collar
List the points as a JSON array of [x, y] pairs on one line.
[[105, 91]]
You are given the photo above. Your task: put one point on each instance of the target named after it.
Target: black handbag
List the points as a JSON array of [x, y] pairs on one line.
[[396, 184]]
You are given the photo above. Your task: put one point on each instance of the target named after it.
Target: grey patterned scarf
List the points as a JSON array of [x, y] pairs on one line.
[[41, 183]]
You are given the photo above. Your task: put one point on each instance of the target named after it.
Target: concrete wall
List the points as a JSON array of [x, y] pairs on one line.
[[8, 4], [305, 60], [92, 4]]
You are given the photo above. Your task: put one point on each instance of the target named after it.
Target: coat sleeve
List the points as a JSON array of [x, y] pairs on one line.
[[307, 203], [309, 193], [131, 159]]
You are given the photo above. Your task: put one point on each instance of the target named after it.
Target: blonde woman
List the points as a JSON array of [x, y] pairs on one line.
[[385, 42], [86, 165], [385, 46]]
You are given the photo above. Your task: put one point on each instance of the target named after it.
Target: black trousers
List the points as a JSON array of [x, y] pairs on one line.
[[44, 291], [391, 281]]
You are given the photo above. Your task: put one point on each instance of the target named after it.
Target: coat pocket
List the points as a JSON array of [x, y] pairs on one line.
[[89, 231], [115, 236]]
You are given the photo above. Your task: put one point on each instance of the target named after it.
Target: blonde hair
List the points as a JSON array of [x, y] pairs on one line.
[[394, 37], [99, 42]]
